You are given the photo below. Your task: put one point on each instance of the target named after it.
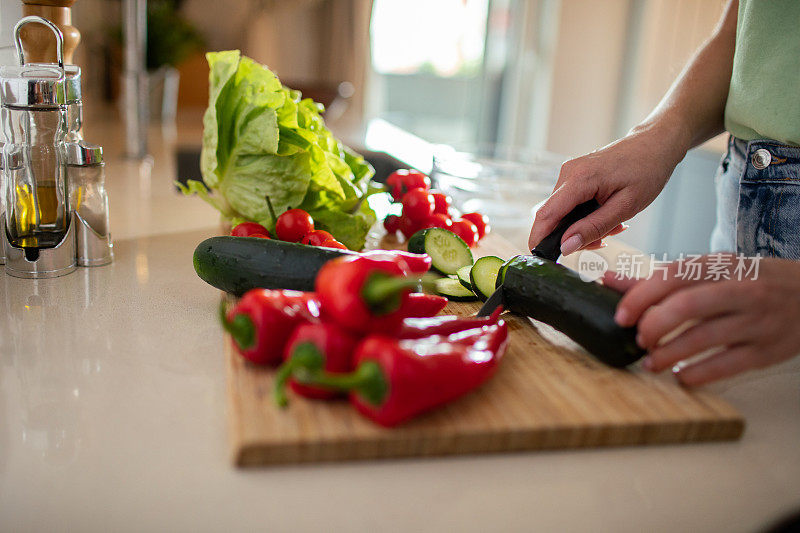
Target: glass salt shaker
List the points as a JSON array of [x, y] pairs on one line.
[[89, 200]]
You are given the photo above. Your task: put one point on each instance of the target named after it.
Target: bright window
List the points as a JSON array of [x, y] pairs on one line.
[[441, 37]]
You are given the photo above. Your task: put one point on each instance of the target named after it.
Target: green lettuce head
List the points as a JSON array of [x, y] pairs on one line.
[[261, 139]]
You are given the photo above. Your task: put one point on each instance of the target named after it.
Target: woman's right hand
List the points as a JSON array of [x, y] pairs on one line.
[[624, 177]]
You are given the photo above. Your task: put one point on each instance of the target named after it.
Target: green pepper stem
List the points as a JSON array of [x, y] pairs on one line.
[[381, 290], [305, 356], [367, 380], [241, 328]]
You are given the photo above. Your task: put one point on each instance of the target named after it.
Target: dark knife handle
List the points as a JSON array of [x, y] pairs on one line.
[[550, 247]]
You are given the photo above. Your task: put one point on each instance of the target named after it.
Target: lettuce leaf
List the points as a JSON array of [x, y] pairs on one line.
[[261, 139], [348, 222]]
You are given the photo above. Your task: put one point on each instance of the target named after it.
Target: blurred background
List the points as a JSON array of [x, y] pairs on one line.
[[400, 77]]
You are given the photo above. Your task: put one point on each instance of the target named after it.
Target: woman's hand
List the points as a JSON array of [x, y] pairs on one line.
[[753, 322], [624, 177]]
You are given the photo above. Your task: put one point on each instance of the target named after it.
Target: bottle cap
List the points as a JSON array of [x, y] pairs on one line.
[[83, 154]]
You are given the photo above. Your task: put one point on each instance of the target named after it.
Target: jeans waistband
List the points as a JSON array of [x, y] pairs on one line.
[[781, 153]]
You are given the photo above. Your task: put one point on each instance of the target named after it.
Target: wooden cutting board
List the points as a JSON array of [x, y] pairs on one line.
[[548, 393]]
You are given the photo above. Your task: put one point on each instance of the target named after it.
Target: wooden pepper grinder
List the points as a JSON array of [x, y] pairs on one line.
[[38, 43]]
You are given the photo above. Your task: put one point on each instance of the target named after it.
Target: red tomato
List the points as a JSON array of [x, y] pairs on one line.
[[247, 229], [392, 224], [418, 204], [441, 203], [260, 235], [408, 226], [466, 230], [316, 237], [415, 179], [293, 225], [481, 223], [437, 220], [401, 181], [333, 243], [394, 185]]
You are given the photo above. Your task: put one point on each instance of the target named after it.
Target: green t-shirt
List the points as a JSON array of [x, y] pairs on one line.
[[764, 96]]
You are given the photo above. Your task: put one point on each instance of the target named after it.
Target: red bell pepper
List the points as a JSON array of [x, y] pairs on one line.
[[423, 305], [365, 294], [262, 320], [417, 328], [313, 347], [397, 379], [416, 263]]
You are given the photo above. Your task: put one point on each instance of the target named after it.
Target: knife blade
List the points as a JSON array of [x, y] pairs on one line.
[[549, 248], [494, 301]]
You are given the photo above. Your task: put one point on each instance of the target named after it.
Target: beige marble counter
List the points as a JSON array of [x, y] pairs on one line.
[[112, 418]]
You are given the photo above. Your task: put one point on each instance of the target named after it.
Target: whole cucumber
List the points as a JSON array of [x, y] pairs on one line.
[[238, 264], [582, 310]]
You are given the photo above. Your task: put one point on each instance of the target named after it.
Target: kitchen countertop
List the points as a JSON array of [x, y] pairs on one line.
[[112, 417]]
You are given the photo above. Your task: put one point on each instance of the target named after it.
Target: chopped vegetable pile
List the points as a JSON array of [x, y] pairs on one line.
[[424, 208], [263, 140]]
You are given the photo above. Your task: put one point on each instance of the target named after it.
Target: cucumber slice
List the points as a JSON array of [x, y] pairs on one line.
[[448, 251], [463, 276], [483, 275], [453, 290]]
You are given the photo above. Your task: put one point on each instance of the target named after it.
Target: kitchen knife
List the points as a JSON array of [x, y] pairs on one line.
[[549, 248]]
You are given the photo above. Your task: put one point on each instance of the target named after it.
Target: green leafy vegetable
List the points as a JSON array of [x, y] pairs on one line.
[[263, 139]]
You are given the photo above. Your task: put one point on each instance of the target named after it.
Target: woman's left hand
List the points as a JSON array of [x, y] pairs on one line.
[[753, 322]]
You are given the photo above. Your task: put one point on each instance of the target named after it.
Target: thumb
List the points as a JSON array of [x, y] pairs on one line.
[[596, 225], [561, 202]]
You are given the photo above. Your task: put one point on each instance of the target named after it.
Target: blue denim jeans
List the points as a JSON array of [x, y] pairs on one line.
[[758, 200]]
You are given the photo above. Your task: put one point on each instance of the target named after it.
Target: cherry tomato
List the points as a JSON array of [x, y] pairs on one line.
[[437, 220], [466, 230], [418, 204], [260, 235], [394, 185], [293, 225], [247, 229], [481, 223], [316, 237], [401, 181], [408, 226], [333, 243], [392, 224], [441, 203], [415, 179]]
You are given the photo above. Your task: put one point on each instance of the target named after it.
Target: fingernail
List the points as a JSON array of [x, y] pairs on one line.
[[647, 363], [621, 317], [571, 245], [640, 340]]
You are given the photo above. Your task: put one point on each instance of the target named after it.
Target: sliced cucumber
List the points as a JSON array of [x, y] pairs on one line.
[[584, 311], [463, 276], [448, 251], [483, 275], [453, 290]]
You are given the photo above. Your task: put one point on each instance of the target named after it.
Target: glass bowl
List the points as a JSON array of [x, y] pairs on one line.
[[502, 183]]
